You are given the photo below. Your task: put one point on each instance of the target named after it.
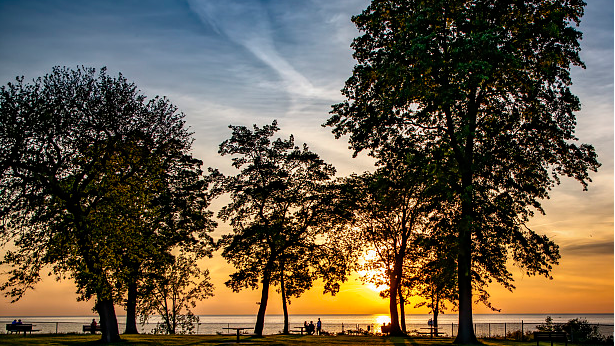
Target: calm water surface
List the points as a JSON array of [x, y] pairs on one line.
[[486, 324]]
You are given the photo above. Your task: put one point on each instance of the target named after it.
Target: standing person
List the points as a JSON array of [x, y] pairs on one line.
[[430, 324], [318, 326], [311, 327], [93, 327]]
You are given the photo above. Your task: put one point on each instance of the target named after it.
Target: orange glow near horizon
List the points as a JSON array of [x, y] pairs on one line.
[[566, 293], [582, 282]]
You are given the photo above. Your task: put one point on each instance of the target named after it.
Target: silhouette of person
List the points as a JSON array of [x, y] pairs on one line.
[[14, 322], [19, 322], [311, 327], [318, 326], [93, 326]]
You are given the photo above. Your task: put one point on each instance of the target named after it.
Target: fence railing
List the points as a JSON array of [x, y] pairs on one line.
[[513, 331], [503, 330]]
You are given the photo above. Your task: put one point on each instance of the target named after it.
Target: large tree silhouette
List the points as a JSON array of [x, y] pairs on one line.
[[277, 201], [485, 87], [86, 163]]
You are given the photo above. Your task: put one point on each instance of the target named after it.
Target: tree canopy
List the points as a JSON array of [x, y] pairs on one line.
[[97, 182], [484, 88], [388, 209], [277, 201]]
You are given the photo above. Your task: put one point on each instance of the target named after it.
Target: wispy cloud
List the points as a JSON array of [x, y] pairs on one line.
[[596, 248], [248, 24]]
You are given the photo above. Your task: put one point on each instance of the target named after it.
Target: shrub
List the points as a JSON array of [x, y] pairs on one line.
[[579, 331]]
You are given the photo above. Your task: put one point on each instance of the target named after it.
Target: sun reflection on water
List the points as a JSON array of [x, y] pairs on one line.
[[383, 319]]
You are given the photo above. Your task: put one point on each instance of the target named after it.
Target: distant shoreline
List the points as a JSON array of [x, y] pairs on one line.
[[374, 314]]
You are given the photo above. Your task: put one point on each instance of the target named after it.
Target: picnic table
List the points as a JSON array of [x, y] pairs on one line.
[[302, 328], [238, 329]]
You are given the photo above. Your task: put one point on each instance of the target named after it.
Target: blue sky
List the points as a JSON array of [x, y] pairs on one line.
[[222, 62], [248, 62]]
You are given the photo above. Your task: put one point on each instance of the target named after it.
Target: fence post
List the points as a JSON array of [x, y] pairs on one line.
[[489, 330], [504, 330], [452, 329], [56, 327], [521, 330]]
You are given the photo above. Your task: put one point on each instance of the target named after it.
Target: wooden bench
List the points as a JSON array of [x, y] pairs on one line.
[[18, 328], [551, 336], [88, 328]]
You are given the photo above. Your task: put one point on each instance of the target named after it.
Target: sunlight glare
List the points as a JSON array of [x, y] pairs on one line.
[[383, 319]]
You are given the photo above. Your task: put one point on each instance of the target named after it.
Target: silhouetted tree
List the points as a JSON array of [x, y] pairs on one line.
[[276, 203], [295, 275], [433, 273], [83, 160], [389, 207], [485, 87], [171, 291], [174, 216]]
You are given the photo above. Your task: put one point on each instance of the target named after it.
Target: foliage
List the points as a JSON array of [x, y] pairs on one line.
[[483, 87], [549, 326], [277, 202], [578, 329], [433, 274], [388, 210], [88, 166], [517, 335], [177, 218], [581, 331], [171, 291]]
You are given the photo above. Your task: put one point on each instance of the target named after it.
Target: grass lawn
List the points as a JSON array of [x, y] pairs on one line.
[[278, 340]]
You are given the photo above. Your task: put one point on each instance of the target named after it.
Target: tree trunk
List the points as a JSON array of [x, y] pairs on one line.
[[402, 309], [284, 305], [131, 308], [394, 280], [465, 332], [108, 321], [260, 317], [436, 310]]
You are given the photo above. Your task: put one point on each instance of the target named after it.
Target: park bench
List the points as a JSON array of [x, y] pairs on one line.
[[18, 328], [88, 328], [551, 336]]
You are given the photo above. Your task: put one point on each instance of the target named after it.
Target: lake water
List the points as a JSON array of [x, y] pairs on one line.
[[486, 325]]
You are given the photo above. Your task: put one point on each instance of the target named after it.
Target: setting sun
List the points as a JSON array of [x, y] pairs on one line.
[[367, 275], [383, 319]]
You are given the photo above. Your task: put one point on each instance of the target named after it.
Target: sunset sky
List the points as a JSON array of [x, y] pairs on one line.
[[248, 62]]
